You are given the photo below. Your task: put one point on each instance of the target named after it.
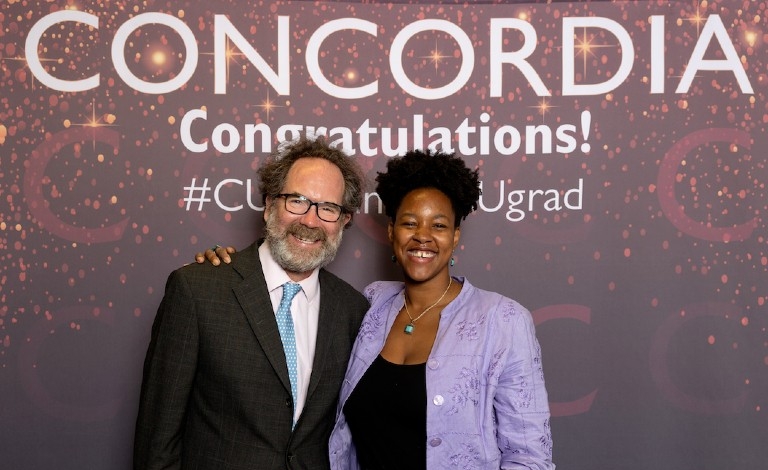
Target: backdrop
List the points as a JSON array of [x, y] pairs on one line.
[[621, 150]]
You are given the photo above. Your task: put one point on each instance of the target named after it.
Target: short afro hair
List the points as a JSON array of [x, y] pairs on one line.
[[419, 169]]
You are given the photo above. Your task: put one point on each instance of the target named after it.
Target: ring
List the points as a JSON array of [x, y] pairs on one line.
[[215, 247]]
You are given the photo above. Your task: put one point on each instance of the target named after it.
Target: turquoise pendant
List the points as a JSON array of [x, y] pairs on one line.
[[408, 329]]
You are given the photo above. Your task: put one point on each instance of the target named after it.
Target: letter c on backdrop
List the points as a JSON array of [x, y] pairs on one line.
[[33, 189]]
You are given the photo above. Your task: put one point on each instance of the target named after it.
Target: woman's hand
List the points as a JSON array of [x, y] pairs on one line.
[[216, 255]]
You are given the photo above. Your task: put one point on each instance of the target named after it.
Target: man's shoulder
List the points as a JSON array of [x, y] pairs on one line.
[[243, 263], [328, 279], [333, 284]]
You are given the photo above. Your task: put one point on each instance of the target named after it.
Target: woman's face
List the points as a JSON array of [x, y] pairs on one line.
[[423, 235]]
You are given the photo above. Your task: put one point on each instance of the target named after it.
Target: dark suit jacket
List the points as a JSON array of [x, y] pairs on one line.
[[216, 393]]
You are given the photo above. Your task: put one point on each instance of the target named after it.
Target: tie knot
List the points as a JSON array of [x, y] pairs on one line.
[[290, 289]]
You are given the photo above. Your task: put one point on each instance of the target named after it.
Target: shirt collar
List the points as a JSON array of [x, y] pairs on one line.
[[276, 276]]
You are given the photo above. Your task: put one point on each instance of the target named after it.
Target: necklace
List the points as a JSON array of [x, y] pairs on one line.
[[410, 326]]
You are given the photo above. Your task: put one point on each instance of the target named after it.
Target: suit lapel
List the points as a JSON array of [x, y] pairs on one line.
[[253, 296], [327, 330]]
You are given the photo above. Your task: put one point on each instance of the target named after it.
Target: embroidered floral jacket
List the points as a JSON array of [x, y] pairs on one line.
[[486, 401]]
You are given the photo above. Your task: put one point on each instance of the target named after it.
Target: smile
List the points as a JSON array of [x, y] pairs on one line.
[[422, 254], [305, 240], [306, 235]]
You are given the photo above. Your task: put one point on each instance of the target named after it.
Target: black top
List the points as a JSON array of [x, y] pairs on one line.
[[387, 415]]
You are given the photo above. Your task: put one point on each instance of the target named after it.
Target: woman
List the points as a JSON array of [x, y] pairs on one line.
[[442, 374]]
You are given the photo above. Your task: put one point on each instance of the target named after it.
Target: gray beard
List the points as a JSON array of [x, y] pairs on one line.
[[297, 260]]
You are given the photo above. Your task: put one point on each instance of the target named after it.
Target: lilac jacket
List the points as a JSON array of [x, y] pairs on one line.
[[486, 402]]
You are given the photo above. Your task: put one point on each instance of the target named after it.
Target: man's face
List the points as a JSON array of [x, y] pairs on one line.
[[302, 243]]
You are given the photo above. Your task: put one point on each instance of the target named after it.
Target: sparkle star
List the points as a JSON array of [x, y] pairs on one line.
[[93, 122], [436, 57], [543, 108], [696, 19], [22, 59], [268, 105], [230, 54], [586, 48]]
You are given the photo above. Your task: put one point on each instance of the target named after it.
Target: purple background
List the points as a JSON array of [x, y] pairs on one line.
[[650, 299]]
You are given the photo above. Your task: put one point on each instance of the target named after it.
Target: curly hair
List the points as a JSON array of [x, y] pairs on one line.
[[419, 169], [274, 173]]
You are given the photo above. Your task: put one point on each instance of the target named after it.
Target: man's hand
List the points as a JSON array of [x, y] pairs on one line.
[[216, 255]]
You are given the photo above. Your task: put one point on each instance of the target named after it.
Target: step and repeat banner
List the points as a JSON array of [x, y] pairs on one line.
[[622, 153]]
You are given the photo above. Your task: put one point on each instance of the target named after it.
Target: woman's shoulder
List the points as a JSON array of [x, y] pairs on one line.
[[379, 291], [496, 306]]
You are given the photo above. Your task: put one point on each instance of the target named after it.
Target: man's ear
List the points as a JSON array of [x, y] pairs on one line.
[[267, 206], [347, 217]]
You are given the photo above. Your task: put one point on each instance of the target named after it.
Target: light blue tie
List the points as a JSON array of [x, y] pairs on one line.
[[288, 337]]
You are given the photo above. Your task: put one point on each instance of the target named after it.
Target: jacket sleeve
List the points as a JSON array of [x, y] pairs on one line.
[[169, 370], [522, 410]]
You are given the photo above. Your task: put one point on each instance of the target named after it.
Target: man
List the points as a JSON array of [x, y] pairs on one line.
[[219, 390]]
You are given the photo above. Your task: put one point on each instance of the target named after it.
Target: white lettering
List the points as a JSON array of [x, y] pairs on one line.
[[396, 55], [714, 28], [185, 130], [216, 197], [33, 60], [657, 54], [121, 67], [313, 58], [279, 76], [280, 81], [569, 51], [518, 59]]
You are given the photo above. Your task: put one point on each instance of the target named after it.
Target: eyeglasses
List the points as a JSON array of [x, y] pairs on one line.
[[299, 205]]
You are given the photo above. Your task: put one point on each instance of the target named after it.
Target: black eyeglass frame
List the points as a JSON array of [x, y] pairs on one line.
[[301, 197]]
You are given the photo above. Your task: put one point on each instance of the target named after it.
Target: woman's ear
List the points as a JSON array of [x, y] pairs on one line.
[[390, 231], [456, 237]]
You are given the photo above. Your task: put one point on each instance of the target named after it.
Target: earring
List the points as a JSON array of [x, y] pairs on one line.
[[453, 261], [394, 260]]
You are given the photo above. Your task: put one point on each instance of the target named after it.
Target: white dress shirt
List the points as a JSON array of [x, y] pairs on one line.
[[305, 310]]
